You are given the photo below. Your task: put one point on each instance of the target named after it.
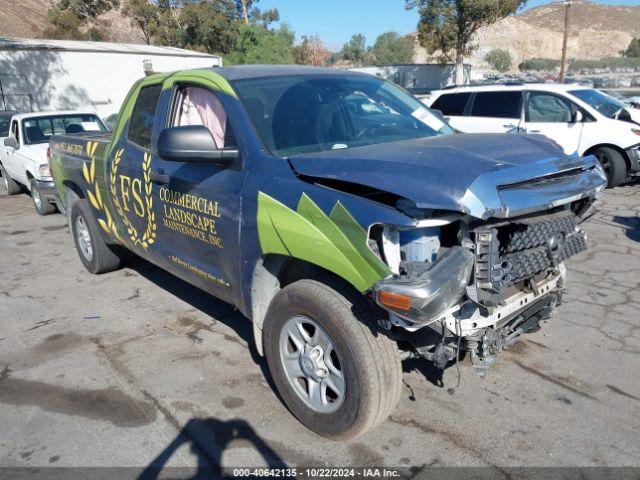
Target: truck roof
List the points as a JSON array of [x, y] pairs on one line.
[[51, 113], [242, 72]]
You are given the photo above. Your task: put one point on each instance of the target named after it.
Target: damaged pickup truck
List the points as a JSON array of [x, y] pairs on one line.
[[349, 223]]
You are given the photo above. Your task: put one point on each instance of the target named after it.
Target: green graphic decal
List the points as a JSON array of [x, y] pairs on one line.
[[335, 242]]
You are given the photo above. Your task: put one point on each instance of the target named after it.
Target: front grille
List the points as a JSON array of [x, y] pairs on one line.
[[519, 250]]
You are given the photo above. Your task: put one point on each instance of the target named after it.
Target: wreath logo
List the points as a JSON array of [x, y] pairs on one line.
[[95, 197]]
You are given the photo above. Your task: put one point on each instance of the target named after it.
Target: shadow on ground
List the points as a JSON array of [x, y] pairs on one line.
[[208, 440]]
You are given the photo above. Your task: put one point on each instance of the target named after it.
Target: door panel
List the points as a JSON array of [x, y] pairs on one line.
[[551, 115], [197, 205]]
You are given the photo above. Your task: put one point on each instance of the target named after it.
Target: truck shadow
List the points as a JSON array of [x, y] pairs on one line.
[[208, 439]]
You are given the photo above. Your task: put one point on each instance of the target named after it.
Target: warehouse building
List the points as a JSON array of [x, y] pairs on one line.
[[38, 75]]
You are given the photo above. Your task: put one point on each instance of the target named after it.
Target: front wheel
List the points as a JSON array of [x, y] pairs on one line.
[[614, 165], [333, 369], [95, 254], [43, 207]]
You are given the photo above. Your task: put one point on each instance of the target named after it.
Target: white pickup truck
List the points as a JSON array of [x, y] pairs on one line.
[[24, 152]]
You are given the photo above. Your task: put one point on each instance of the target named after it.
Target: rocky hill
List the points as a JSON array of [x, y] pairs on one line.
[[596, 31], [28, 19]]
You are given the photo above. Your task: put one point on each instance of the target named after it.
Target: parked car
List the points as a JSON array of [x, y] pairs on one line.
[[24, 159], [351, 225], [578, 118]]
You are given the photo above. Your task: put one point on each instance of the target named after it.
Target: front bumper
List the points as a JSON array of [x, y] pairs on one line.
[[47, 190]]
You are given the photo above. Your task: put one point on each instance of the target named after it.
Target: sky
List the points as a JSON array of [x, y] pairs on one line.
[[336, 20]]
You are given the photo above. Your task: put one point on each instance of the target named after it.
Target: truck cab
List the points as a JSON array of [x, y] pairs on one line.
[[24, 150], [352, 226]]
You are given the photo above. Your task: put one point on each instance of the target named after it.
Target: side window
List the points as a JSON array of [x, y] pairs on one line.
[[497, 104], [200, 106], [452, 103], [546, 107], [142, 116]]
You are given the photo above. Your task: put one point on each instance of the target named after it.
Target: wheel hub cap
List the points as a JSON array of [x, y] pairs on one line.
[[312, 364], [84, 238], [36, 198]]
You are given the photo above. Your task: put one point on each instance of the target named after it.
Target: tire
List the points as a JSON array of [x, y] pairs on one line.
[[43, 207], [10, 185], [368, 361], [95, 254], [614, 165]]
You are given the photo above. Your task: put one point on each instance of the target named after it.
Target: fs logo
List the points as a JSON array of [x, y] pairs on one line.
[[131, 197]]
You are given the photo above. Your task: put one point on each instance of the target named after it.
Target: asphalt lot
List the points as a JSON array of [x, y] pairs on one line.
[[137, 368]]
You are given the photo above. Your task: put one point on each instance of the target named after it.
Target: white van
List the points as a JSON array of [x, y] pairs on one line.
[[576, 117]]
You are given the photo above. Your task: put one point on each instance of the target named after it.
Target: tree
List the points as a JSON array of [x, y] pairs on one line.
[[391, 48], [257, 44], [539, 65], [448, 26], [85, 25], [311, 51], [144, 15], [355, 50], [633, 50], [499, 59], [210, 25]]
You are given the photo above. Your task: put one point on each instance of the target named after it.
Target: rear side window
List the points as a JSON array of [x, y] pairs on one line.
[[142, 116], [497, 104], [452, 103]]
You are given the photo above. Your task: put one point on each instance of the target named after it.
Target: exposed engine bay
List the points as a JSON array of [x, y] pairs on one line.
[[462, 284]]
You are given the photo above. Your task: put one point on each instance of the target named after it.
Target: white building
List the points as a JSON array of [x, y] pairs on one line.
[[419, 78], [38, 75]]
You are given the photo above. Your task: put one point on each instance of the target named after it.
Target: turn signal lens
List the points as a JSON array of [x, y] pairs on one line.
[[394, 300]]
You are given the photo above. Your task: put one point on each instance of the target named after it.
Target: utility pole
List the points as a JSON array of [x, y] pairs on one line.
[[563, 62]]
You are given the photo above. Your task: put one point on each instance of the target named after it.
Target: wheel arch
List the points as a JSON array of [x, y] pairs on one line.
[[272, 273], [621, 151]]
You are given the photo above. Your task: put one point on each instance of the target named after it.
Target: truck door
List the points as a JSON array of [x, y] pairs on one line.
[[13, 162], [553, 116], [197, 205], [127, 179]]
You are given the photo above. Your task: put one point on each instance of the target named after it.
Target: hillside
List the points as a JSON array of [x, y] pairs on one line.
[[596, 31], [28, 18]]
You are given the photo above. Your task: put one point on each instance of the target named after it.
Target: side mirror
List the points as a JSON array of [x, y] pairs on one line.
[[577, 117], [11, 142], [193, 144]]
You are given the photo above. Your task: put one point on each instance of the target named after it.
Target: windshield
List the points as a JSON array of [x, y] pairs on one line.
[[5, 121], [313, 113], [603, 103], [40, 129]]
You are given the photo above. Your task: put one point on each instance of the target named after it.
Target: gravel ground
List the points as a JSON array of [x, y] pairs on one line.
[[137, 368]]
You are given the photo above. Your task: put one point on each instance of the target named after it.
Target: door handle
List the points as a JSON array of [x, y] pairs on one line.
[[509, 125], [158, 176]]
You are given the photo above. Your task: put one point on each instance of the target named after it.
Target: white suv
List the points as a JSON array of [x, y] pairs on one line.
[[576, 117]]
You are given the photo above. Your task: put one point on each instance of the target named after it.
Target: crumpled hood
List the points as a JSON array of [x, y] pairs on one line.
[[460, 172]]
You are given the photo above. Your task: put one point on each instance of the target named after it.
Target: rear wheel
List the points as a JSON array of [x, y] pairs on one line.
[[10, 185], [43, 207], [334, 371], [95, 254], [614, 165]]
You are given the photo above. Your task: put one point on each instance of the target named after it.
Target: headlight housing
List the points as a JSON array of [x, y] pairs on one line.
[[45, 171]]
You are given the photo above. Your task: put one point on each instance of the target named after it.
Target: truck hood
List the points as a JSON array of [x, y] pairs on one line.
[[483, 175], [36, 152]]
